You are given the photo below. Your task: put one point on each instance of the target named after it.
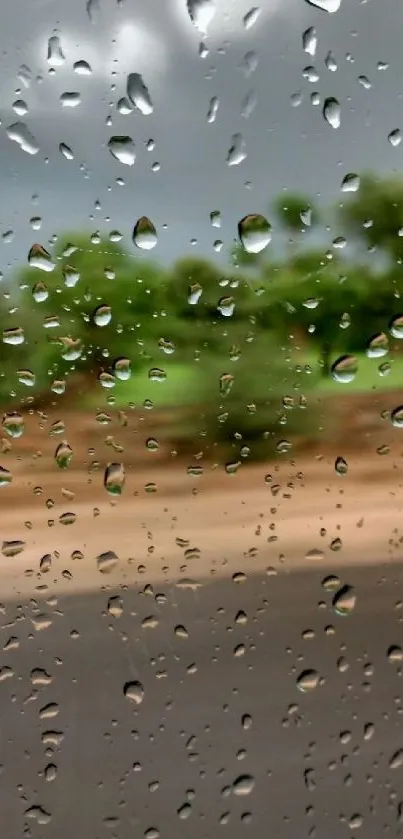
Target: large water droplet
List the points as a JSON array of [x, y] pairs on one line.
[[114, 478], [134, 691], [310, 41], [344, 369], [40, 292], [251, 17], [106, 562], [144, 234], [331, 112], [330, 6], [13, 424], [122, 149], [308, 680], [138, 94], [237, 151], [121, 369], [14, 336], [102, 315], [201, 13], [344, 600], [378, 345], [63, 455], [20, 134], [254, 232], [38, 257], [55, 55], [243, 785], [350, 182]]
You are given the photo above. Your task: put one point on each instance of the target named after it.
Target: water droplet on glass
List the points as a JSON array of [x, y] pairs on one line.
[[66, 151], [102, 315], [307, 680], [395, 137], [201, 13], [344, 369], [38, 257], [341, 466], [396, 327], [396, 761], [40, 292], [395, 654], [344, 600], [251, 17], [226, 306], [26, 377], [122, 369], [310, 41], [55, 55], [138, 94], [106, 562], [5, 477], [144, 234], [63, 455], [134, 691], [350, 182], [114, 478], [70, 99], [378, 345], [212, 109], [194, 294], [82, 68], [14, 336], [122, 149], [115, 606], [13, 425], [254, 232], [331, 112], [70, 276], [20, 134], [237, 150], [243, 785], [330, 6], [396, 416]]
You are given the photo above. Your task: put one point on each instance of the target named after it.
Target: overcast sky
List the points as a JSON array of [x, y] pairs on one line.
[[289, 146]]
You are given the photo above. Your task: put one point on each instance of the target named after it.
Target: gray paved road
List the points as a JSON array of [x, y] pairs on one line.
[[218, 704]]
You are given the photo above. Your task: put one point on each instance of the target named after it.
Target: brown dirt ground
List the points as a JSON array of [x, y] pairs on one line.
[[244, 522]]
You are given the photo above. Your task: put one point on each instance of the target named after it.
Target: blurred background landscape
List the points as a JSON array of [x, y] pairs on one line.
[[222, 362]]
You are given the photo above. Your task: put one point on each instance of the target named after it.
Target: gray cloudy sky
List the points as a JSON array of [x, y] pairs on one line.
[[287, 147]]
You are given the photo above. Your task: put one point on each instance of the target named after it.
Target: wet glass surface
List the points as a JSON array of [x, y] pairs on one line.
[[201, 416]]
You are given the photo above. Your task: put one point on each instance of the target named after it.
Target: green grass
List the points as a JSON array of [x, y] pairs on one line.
[[179, 388], [367, 378]]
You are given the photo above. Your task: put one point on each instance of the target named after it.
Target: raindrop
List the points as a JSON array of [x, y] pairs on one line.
[[122, 149], [396, 417], [144, 234], [212, 109], [251, 17], [115, 606], [63, 455], [70, 99], [55, 55], [330, 6], [20, 134], [310, 41], [134, 691], [194, 294], [395, 137], [14, 336], [396, 327], [82, 68], [331, 112], [341, 466], [13, 425], [378, 346], [254, 232], [102, 315], [201, 13], [226, 306], [344, 369], [70, 276], [344, 600], [20, 107], [395, 654], [138, 94], [5, 477], [243, 785], [66, 151], [307, 680], [226, 383], [106, 562], [40, 292], [26, 377], [12, 548], [396, 761], [121, 369], [237, 150], [350, 182], [38, 257], [114, 478]]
